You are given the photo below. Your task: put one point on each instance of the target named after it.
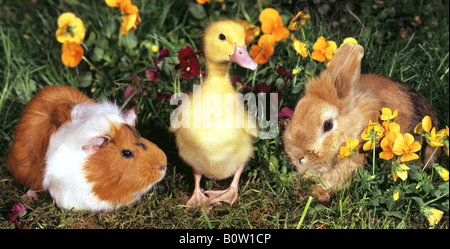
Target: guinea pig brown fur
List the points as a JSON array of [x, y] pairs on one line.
[[87, 155]]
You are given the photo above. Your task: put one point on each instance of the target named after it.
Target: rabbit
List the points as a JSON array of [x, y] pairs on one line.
[[337, 105], [86, 155]]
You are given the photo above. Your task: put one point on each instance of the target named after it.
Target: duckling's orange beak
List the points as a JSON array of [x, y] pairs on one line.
[[241, 57]]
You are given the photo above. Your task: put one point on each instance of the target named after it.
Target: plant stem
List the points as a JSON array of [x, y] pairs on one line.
[[304, 212], [429, 159], [435, 199]]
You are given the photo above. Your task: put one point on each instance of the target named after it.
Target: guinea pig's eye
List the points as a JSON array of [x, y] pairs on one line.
[[127, 154], [222, 37], [327, 125]]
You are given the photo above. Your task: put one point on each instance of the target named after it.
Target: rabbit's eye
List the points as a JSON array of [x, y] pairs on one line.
[[127, 154], [327, 125]]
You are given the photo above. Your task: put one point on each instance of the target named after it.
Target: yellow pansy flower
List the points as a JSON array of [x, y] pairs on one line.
[[367, 134], [387, 144], [424, 125], [295, 24], [442, 172], [390, 127], [70, 28], [434, 140], [434, 216], [400, 171], [387, 114], [350, 40], [396, 194], [300, 47], [347, 149]]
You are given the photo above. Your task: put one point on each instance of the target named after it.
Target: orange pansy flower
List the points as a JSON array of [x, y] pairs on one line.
[[406, 146], [72, 53], [323, 49], [251, 31], [387, 144], [128, 22], [260, 52], [271, 23]]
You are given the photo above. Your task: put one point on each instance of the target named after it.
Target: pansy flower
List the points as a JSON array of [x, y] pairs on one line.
[[300, 47], [19, 210], [251, 31], [72, 53], [400, 171], [434, 139], [424, 125], [434, 216], [152, 75], [406, 147], [296, 23], [373, 130], [348, 148], [282, 71], [128, 22], [263, 50], [131, 17], [284, 113], [189, 64], [350, 40], [323, 49], [70, 28], [442, 172], [387, 144], [271, 23], [388, 115]]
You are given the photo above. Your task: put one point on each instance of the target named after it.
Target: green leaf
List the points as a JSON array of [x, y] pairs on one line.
[[197, 10], [110, 27], [97, 54], [311, 67], [86, 79], [273, 164]]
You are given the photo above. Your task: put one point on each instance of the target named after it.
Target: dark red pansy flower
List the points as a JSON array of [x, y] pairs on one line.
[[189, 64]]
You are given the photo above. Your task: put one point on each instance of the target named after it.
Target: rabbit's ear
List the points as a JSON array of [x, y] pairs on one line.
[[346, 68]]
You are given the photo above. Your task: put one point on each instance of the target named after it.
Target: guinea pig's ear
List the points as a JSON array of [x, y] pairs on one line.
[[96, 143], [130, 117]]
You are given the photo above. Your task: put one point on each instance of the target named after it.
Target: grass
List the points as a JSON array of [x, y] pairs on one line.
[[272, 195]]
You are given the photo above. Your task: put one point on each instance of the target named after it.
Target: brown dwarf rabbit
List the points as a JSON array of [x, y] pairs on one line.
[[87, 155], [338, 105]]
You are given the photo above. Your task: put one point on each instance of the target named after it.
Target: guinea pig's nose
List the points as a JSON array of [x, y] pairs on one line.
[[163, 167]]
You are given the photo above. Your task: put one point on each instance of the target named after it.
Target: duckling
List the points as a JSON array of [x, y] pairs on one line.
[[221, 149]]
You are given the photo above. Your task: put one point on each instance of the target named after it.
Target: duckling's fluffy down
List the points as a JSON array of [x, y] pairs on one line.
[[216, 152]]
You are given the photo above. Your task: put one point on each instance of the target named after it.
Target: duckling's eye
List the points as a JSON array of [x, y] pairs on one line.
[[222, 37]]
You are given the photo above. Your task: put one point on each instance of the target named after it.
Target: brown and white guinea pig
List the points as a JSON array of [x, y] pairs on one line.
[[337, 105], [87, 155]]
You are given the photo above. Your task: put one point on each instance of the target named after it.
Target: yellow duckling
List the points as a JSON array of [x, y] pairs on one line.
[[217, 140]]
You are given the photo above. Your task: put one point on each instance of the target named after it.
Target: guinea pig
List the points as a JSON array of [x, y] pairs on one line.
[[337, 105], [86, 155]]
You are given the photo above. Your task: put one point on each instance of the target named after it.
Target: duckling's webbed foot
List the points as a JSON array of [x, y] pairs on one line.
[[229, 195], [198, 197]]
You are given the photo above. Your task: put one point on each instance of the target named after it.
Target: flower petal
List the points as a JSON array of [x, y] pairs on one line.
[[268, 18], [426, 123]]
